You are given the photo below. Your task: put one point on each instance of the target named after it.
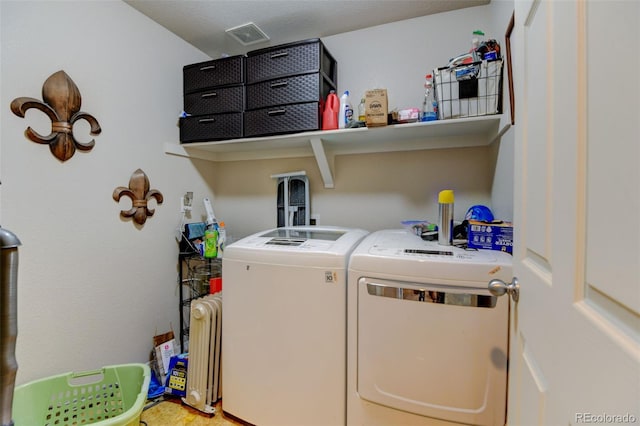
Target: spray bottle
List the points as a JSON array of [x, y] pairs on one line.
[[478, 35], [222, 238], [429, 104], [211, 232]]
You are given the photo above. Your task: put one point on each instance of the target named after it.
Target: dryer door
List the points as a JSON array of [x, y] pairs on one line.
[[433, 350]]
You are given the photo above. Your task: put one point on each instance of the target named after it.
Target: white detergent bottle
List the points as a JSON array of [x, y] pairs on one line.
[[346, 112]]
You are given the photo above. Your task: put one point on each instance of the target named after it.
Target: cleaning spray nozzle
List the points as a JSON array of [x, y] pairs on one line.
[[211, 218]]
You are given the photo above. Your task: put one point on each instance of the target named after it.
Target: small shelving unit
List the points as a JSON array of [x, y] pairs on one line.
[[325, 145], [194, 273]]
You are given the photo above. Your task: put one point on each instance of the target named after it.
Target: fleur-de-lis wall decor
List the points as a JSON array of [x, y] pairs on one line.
[[140, 195], [62, 105]]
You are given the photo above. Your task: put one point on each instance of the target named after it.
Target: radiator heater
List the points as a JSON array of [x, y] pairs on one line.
[[203, 371]]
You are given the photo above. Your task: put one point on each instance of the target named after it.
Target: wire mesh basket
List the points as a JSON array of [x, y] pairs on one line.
[[469, 90], [111, 396]]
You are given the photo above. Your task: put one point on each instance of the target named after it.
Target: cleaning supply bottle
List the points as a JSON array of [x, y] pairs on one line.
[[361, 111], [346, 112], [222, 238], [330, 112], [429, 104], [445, 217], [211, 241], [478, 36], [211, 231]]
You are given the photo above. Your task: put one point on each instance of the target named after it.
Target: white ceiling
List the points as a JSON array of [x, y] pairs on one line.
[[202, 23]]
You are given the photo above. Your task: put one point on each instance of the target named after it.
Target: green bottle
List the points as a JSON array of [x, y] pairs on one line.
[[210, 243]]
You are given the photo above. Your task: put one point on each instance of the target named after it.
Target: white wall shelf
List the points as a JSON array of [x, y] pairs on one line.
[[325, 145]]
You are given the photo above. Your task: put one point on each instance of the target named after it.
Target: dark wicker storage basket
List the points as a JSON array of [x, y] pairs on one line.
[[282, 119], [215, 100], [301, 57], [211, 127], [288, 90], [219, 72]]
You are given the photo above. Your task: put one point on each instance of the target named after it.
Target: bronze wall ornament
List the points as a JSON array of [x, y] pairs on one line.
[[140, 195], [62, 105]]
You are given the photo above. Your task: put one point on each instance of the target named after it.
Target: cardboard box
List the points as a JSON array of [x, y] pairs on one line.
[[165, 347], [490, 235], [376, 107]]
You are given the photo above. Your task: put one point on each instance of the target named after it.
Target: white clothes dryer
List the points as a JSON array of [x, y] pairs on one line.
[[427, 342], [284, 326]]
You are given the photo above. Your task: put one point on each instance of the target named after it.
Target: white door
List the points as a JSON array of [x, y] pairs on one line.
[[575, 334]]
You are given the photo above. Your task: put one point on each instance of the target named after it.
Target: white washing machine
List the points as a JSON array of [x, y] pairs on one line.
[[284, 326], [427, 342]]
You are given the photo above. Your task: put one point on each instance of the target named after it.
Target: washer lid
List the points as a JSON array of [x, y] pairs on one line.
[[407, 256], [296, 237], [317, 245], [401, 243]]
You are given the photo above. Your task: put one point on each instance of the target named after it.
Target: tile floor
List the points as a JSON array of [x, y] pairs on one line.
[[172, 412]]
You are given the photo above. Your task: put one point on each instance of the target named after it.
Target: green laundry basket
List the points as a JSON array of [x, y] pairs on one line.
[[113, 395]]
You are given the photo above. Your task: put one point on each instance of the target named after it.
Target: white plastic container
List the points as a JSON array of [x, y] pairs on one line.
[[346, 111]]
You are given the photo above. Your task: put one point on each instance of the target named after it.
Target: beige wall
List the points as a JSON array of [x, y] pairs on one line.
[[372, 191], [92, 288], [377, 191]]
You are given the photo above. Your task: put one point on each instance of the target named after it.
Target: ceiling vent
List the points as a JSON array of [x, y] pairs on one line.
[[248, 34]]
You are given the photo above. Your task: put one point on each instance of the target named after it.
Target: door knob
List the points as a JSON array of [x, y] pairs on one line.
[[499, 288]]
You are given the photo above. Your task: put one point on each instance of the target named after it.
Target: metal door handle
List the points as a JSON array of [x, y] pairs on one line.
[[499, 288]]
